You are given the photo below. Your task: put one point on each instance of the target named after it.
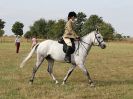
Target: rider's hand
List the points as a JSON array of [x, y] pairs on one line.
[[78, 38]]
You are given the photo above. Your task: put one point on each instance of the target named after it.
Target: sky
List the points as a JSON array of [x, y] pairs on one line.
[[119, 13]]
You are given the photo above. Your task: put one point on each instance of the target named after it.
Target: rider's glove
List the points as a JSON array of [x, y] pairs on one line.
[[78, 38]]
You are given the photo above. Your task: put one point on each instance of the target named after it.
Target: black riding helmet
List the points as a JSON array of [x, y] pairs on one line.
[[71, 14]]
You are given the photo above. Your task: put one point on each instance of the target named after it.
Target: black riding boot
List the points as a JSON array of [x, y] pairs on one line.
[[68, 55]]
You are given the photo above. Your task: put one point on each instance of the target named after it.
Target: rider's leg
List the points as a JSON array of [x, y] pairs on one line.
[[68, 54]]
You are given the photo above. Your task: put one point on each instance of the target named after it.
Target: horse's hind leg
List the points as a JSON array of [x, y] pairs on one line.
[[40, 59], [50, 68]]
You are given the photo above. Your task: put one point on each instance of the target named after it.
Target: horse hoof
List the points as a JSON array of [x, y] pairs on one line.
[[30, 82], [56, 82], [63, 83], [92, 85]]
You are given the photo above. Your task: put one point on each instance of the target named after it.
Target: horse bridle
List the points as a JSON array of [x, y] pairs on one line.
[[99, 42], [80, 42]]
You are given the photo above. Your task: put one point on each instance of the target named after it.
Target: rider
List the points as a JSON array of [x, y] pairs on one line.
[[69, 35]]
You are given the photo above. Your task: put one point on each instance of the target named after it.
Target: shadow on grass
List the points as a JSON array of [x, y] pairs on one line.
[[113, 82], [100, 83]]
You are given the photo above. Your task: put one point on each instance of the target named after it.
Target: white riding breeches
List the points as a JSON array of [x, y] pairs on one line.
[[67, 41]]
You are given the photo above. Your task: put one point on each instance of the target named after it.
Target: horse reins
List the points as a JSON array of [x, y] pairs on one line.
[[81, 42]]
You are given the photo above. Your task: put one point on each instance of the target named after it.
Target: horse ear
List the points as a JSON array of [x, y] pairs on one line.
[[96, 29], [96, 32]]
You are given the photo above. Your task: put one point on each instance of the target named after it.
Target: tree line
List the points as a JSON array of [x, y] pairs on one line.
[[52, 29]]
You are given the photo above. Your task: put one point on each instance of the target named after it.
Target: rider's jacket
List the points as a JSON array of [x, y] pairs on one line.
[[69, 32]]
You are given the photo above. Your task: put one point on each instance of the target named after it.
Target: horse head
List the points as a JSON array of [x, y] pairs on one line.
[[98, 40]]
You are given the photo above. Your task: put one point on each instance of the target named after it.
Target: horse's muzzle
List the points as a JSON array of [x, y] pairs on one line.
[[103, 46]]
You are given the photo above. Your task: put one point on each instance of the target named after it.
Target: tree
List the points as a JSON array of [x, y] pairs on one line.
[[107, 31], [39, 28], [58, 29], [55, 29], [49, 28], [33, 32], [118, 36], [1, 33], [128, 36], [28, 34], [17, 28], [2, 24], [81, 18], [91, 24], [95, 22]]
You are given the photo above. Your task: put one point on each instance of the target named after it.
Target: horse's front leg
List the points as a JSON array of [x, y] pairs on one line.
[[82, 67], [68, 73]]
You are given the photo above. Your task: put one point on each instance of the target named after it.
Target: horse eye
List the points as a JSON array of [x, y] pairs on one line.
[[99, 37]]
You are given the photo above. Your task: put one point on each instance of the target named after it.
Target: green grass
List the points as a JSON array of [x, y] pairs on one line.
[[111, 69]]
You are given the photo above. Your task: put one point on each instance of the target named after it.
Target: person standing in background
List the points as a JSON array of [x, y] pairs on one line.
[[17, 43], [34, 42]]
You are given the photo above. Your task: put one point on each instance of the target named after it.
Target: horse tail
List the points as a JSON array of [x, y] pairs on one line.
[[29, 55]]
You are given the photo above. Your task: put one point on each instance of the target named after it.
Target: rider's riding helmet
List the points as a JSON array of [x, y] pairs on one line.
[[71, 14]]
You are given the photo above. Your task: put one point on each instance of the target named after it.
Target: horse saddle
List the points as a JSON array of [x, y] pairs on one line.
[[72, 49]]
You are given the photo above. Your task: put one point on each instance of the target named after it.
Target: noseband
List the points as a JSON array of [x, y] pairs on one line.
[[99, 42]]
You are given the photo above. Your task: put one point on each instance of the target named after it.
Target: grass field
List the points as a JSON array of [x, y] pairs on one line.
[[111, 69]]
